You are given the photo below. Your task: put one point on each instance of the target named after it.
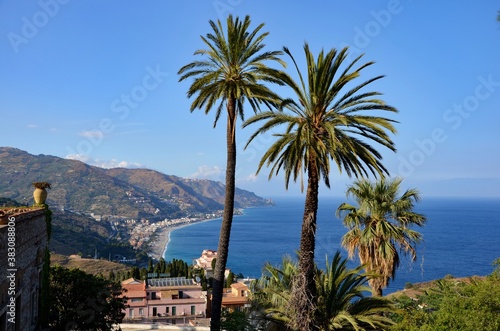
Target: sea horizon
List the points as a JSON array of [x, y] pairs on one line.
[[460, 238]]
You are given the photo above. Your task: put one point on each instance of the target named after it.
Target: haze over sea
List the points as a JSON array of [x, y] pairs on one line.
[[461, 238]]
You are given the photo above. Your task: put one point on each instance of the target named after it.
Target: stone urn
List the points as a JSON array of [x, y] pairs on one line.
[[40, 193]]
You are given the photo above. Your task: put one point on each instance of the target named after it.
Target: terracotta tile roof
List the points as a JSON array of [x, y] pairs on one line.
[[234, 300], [132, 281], [239, 286], [135, 294]]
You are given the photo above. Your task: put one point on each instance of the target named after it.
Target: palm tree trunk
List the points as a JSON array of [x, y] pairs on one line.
[[225, 231], [304, 296]]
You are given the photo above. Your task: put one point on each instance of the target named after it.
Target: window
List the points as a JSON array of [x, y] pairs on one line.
[[181, 294], [174, 311], [136, 300], [141, 311], [167, 310], [153, 295], [155, 311], [131, 313], [193, 310]]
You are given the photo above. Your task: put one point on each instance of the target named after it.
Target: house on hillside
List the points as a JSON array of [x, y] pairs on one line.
[[178, 301], [23, 239], [205, 262], [236, 298], [135, 292]]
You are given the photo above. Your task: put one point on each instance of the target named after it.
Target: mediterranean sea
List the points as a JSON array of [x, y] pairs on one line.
[[461, 238]]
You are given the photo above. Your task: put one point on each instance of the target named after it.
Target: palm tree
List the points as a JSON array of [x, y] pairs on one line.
[[232, 71], [324, 123], [341, 302], [379, 227], [271, 293]]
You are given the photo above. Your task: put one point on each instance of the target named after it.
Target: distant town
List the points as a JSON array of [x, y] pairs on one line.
[[141, 233]]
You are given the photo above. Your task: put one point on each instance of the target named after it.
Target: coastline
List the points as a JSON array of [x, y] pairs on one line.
[[159, 246]]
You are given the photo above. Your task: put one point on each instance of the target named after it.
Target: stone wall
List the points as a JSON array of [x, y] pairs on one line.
[[20, 274]]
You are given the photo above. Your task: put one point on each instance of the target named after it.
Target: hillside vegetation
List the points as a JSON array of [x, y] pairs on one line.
[[461, 304], [91, 266]]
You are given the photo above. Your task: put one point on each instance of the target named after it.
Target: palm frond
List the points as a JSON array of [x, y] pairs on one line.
[[331, 127]]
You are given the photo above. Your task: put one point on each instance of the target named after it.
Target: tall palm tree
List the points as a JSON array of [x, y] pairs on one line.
[[233, 71], [324, 123], [341, 302], [379, 227]]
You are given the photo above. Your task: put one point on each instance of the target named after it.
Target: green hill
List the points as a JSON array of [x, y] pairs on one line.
[[91, 266], [91, 205], [132, 193]]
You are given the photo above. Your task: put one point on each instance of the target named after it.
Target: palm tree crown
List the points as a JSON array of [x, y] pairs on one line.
[[232, 71], [233, 68], [323, 123], [379, 227]]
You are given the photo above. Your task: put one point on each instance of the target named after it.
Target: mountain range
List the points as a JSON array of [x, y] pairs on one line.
[[87, 201], [121, 192]]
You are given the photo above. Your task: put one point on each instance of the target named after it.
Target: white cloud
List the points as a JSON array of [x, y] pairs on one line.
[[91, 134], [250, 178], [113, 163], [209, 172], [78, 157], [31, 126]]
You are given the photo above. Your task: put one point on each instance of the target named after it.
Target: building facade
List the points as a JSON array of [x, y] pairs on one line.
[[177, 301], [205, 262], [23, 240]]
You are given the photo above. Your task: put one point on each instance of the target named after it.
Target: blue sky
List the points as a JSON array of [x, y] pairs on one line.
[[97, 81]]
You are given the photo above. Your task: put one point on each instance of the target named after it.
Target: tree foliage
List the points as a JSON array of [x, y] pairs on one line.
[[470, 305], [380, 227], [174, 268], [236, 321], [80, 301], [341, 301], [331, 119]]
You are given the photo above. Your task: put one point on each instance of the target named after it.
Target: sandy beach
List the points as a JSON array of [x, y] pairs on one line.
[[159, 245]]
